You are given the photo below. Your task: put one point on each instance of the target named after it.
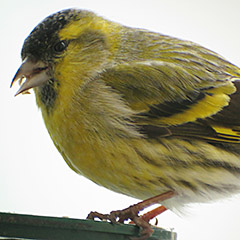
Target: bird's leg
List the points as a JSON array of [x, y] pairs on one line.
[[132, 214], [152, 214]]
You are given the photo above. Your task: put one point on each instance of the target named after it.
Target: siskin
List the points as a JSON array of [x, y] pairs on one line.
[[137, 112]]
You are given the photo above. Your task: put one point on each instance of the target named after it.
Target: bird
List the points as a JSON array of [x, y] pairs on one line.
[[138, 112]]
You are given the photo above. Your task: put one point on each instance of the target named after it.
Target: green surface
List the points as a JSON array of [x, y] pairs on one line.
[[38, 227]]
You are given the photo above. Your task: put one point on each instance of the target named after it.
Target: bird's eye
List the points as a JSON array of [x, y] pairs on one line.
[[60, 46]]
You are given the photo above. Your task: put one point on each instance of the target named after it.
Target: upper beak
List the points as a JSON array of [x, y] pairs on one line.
[[34, 73]]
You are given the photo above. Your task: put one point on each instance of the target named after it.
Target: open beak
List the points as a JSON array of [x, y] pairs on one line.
[[34, 74]]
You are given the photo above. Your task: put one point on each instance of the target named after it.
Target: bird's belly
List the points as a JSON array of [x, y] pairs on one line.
[[142, 168], [118, 167]]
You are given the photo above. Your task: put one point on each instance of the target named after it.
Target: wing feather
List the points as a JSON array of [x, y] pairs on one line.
[[172, 100]]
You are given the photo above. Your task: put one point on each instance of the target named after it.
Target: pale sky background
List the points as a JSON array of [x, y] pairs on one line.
[[34, 179]]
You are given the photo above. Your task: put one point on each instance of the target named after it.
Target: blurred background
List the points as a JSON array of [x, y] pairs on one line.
[[34, 179]]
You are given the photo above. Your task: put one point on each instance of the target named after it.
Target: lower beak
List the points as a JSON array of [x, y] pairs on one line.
[[34, 73]]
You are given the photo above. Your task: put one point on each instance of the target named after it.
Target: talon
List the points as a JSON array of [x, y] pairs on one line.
[[107, 217], [93, 215], [113, 217], [146, 229]]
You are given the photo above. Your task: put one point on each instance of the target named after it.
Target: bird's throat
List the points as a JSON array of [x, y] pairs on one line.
[[46, 95]]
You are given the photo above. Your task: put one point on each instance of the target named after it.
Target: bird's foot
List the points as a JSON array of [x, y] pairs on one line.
[[132, 212], [120, 216]]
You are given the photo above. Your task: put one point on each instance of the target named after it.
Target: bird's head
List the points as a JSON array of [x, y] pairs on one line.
[[64, 49]]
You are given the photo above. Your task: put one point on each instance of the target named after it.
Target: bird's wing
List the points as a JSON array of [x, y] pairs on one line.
[[172, 100]]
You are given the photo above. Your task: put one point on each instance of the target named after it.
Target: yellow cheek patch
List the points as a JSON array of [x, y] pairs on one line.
[[206, 107]]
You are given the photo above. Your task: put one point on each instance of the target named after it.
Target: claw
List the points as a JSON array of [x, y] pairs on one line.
[[146, 229]]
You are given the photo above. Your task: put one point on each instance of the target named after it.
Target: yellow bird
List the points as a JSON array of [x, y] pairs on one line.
[[138, 112]]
